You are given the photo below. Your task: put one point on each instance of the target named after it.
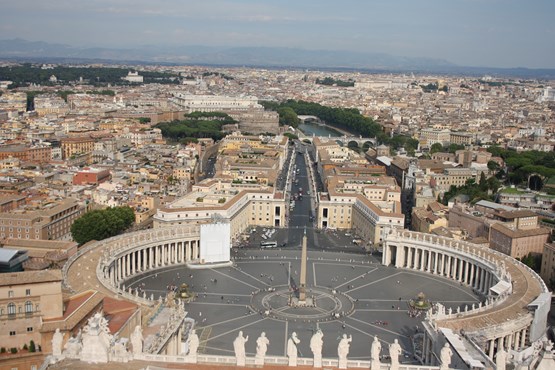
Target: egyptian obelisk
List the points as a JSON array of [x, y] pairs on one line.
[[302, 288]]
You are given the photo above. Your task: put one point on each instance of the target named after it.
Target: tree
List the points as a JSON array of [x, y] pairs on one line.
[[436, 147], [102, 224], [32, 347], [452, 148], [493, 184], [483, 182], [287, 116], [493, 166]]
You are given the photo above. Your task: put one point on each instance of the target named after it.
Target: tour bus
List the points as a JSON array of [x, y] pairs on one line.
[[268, 244]]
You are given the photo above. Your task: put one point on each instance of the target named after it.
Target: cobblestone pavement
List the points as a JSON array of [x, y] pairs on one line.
[[228, 300]]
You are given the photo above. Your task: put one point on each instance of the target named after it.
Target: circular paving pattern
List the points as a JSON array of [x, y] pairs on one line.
[[322, 304]]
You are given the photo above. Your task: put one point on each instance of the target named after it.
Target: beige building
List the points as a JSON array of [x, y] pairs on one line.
[[430, 136], [76, 146], [26, 299], [518, 234], [429, 218], [50, 223], [548, 264], [452, 177], [368, 207], [243, 205]]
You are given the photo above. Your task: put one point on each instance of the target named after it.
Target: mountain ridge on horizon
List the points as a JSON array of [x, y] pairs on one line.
[[21, 49]]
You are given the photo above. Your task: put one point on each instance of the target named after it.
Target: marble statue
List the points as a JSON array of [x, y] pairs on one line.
[[119, 351], [445, 357], [394, 352], [292, 349], [57, 340], [96, 340], [343, 350], [72, 348], [261, 347], [316, 343], [239, 348], [193, 343], [137, 340], [375, 353], [501, 360]]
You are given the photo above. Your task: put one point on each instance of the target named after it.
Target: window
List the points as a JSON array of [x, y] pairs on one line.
[[11, 309], [29, 329], [28, 308], [27, 292], [12, 333], [10, 294]]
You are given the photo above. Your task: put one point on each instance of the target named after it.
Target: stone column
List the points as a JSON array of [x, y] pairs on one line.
[[133, 263], [460, 263], [466, 271], [523, 339], [187, 251], [517, 340], [491, 347], [509, 341], [127, 265], [435, 262], [422, 259]]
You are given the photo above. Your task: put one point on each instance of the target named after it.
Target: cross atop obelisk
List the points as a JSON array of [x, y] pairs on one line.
[[302, 288]]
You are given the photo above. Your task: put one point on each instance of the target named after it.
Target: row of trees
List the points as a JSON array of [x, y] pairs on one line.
[[483, 190], [102, 224], [348, 119], [196, 125], [451, 148], [328, 81], [25, 74], [523, 164]]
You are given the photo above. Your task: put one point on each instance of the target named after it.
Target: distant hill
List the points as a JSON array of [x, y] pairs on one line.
[[23, 50]]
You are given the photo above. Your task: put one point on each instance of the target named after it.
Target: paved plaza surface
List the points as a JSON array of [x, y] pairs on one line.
[[353, 292]]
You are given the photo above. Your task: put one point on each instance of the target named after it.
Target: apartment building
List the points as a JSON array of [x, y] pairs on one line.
[[452, 177], [93, 176], [38, 154], [75, 146], [51, 222], [430, 136]]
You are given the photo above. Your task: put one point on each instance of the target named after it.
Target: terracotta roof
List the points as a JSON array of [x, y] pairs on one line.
[[30, 277], [519, 233], [118, 312]]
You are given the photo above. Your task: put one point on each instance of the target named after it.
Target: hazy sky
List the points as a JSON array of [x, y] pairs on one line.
[[496, 33]]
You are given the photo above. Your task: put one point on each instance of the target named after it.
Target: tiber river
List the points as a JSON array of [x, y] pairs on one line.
[[319, 130]]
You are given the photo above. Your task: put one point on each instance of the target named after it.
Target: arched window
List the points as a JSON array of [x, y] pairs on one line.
[[11, 309], [28, 307]]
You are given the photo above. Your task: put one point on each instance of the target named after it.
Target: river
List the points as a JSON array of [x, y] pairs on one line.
[[319, 130]]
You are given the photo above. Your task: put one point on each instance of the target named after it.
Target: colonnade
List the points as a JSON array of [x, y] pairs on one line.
[[470, 265], [447, 263], [151, 256], [513, 341]]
